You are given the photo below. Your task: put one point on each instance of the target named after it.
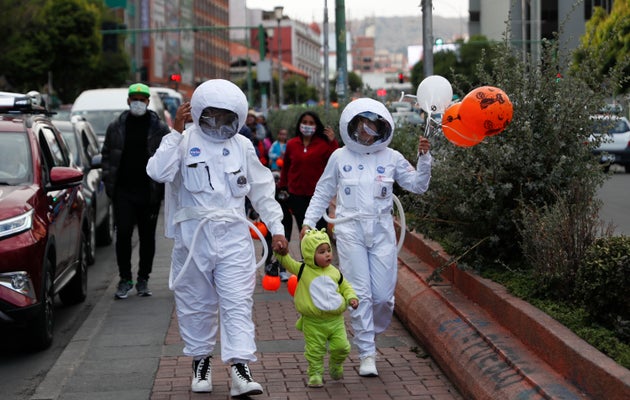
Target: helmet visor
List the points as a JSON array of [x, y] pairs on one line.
[[214, 118], [368, 128]]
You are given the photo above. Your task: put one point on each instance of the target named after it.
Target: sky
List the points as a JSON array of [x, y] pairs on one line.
[[313, 10]]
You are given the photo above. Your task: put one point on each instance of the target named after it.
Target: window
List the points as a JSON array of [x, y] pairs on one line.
[[52, 148]]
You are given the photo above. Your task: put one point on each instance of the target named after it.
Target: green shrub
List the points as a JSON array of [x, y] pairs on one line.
[[555, 238], [602, 283], [479, 193]]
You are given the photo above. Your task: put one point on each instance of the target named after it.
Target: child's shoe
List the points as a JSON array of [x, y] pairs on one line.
[[315, 381], [335, 371]]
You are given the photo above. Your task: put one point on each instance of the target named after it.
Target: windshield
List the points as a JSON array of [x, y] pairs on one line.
[[171, 104], [15, 159], [610, 126]]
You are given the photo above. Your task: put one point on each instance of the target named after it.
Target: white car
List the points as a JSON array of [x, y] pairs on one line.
[[101, 106], [402, 118], [614, 146]]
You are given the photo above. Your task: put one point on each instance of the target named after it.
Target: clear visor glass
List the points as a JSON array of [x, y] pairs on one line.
[[368, 128], [217, 117]]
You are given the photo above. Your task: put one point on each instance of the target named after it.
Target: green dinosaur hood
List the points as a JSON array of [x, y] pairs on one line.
[[312, 239]]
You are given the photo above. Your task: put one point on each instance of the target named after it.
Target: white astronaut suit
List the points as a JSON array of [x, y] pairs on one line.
[[213, 267], [362, 177]]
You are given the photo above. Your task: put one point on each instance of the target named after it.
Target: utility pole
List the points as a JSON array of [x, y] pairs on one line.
[[342, 52], [427, 37], [262, 62], [326, 67]]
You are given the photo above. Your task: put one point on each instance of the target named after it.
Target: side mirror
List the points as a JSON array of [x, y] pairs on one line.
[[64, 177]]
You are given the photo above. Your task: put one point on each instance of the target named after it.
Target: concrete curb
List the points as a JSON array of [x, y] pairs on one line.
[[494, 345]]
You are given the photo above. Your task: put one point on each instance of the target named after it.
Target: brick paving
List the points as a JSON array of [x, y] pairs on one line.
[[405, 370]]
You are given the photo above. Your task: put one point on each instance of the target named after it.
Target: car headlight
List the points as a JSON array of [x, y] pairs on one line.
[[17, 224]]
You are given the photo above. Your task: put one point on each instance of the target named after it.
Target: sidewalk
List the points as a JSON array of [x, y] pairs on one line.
[[131, 350]]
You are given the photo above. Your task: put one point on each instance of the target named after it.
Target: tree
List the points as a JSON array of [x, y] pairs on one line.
[[479, 195], [607, 36], [57, 37], [297, 91], [459, 66]]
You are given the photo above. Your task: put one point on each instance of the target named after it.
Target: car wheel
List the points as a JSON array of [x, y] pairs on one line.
[[39, 331], [76, 290], [105, 232], [90, 252]]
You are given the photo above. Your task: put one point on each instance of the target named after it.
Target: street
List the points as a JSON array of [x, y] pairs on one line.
[[616, 202], [22, 371]]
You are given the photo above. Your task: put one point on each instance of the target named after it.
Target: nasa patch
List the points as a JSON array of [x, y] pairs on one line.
[[380, 169], [195, 151]]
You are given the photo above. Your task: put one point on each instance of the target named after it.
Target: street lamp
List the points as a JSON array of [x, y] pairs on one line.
[[278, 14]]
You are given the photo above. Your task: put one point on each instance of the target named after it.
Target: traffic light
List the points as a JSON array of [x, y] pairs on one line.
[[175, 78], [263, 42], [110, 40], [401, 78], [267, 44]]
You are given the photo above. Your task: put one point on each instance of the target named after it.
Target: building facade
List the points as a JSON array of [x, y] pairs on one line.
[[531, 21], [188, 39]]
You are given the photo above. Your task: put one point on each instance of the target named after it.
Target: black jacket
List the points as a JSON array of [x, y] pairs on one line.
[[113, 149]]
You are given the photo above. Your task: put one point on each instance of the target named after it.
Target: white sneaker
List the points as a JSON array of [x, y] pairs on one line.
[[368, 366], [242, 382], [202, 376]]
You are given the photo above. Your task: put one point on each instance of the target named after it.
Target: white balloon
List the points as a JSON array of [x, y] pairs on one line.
[[434, 94]]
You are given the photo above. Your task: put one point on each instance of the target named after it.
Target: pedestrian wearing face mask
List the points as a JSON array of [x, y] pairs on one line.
[[130, 140], [305, 158], [209, 171]]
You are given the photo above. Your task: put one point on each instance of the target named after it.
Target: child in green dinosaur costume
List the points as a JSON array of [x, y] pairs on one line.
[[321, 297]]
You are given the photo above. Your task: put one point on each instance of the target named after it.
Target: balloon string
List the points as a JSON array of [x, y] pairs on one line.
[[428, 131]]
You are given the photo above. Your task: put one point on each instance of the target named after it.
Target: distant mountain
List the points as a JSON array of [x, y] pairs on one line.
[[396, 33]]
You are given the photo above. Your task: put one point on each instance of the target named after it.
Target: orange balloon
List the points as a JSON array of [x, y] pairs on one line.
[[292, 285], [271, 283], [455, 131], [261, 227], [279, 162], [486, 110]]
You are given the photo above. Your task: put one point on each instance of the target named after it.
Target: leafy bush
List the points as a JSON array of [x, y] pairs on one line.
[[479, 193], [602, 283], [556, 237]]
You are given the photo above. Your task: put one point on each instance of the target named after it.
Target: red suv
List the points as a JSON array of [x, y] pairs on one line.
[[43, 222]]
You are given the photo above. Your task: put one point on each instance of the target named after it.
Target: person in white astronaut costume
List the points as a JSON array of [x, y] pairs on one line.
[[362, 174], [208, 170]]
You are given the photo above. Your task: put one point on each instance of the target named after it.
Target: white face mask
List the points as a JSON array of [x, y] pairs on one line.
[[138, 108], [307, 130]]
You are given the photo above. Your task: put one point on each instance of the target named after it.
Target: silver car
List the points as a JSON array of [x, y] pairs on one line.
[[86, 155], [614, 134]]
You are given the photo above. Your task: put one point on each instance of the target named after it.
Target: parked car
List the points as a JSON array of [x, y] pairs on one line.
[[402, 118], [85, 149], [171, 99], [101, 106], [43, 224], [614, 134]]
